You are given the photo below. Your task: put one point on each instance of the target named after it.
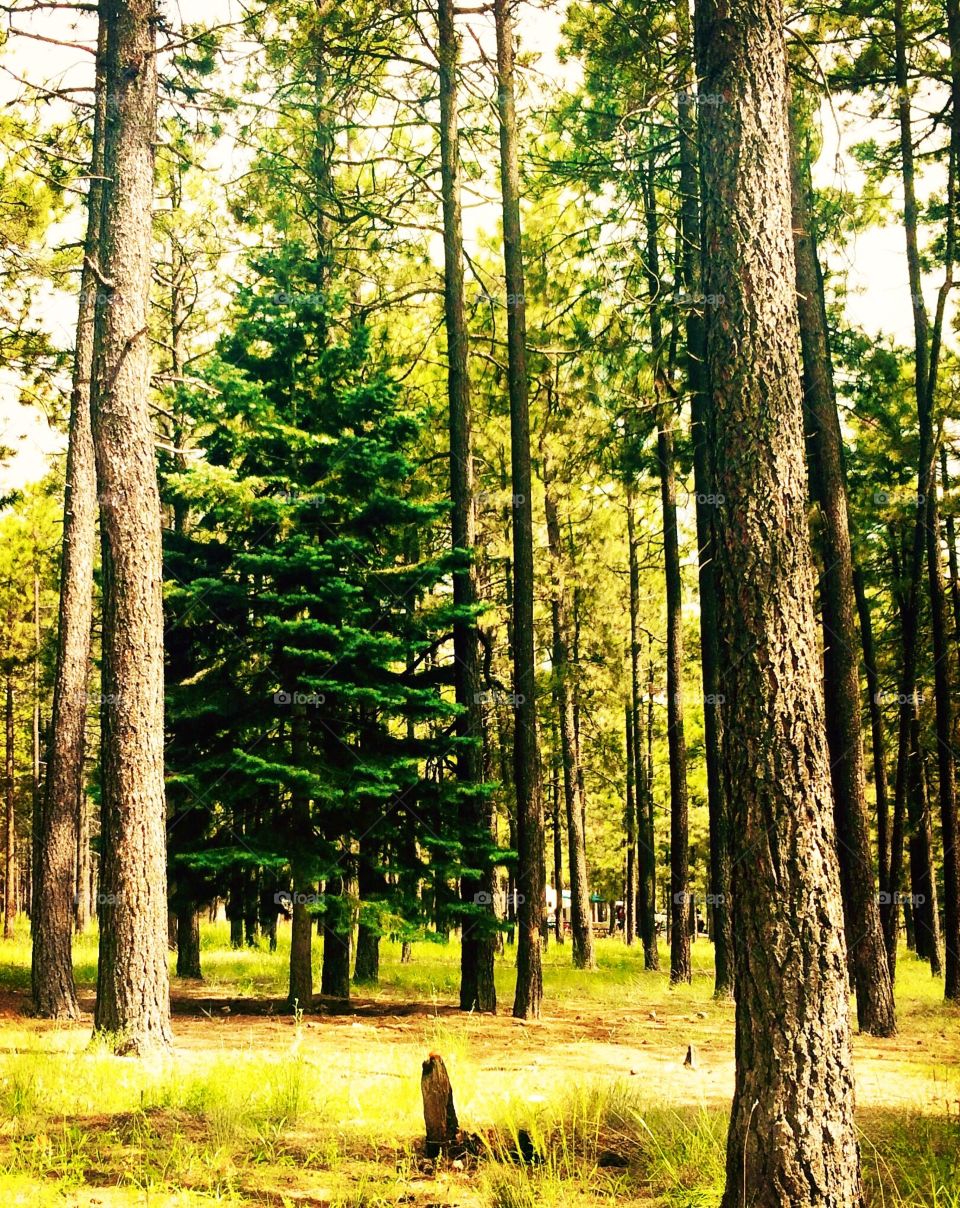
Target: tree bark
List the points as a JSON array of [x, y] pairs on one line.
[[530, 843], [133, 1004], [841, 641], [792, 1138], [439, 1113]]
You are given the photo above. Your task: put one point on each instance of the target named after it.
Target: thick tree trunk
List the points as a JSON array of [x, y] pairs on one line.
[[10, 846], [54, 992], [792, 1138], [530, 850], [132, 982], [188, 941], [477, 989], [581, 926], [842, 645]]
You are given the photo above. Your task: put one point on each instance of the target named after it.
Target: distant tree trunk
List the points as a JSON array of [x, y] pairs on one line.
[[300, 991], [680, 966], [581, 925], [557, 850], [643, 832], [877, 737], [188, 941], [951, 532], [691, 276], [680, 969], [631, 899], [335, 970], [923, 881], [36, 804], [370, 884], [477, 989], [530, 865], [133, 994], [927, 527], [10, 854], [82, 905], [842, 645], [792, 1138]]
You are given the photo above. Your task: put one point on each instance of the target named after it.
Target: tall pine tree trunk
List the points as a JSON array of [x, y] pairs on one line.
[[841, 640], [581, 926], [61, 852], [530, 842], [680, 966], [927, 529], [792, 1138], [300, 987], [10, 845], [132, 982], [878, 740], [690, 268], [477, 989], [643, 787]]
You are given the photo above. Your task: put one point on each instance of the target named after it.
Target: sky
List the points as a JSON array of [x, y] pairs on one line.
[[874, 262]]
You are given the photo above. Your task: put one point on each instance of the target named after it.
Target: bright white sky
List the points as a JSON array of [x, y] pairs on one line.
[[875, 262]]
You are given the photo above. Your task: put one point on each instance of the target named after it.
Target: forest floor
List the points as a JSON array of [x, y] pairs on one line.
[[324, 1110]]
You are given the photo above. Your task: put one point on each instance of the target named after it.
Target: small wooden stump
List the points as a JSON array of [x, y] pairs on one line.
[[439, 1114]]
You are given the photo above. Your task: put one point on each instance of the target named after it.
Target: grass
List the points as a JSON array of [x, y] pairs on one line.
[[263, 1108]]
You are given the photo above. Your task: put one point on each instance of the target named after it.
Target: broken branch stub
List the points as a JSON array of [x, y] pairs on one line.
[[439, 1114]]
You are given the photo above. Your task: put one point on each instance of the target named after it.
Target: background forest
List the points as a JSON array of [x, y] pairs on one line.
[[453, 669]]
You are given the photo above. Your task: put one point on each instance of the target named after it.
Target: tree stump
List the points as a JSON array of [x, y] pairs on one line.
[[439, 1114]]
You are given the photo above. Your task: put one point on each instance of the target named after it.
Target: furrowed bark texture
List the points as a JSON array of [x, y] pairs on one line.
[[132, 982], [792, 1139]]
